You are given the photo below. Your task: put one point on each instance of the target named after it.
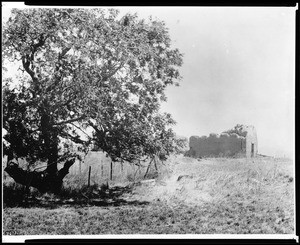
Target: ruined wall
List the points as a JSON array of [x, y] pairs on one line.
[[224, 144], [251, 141], [217, 145]]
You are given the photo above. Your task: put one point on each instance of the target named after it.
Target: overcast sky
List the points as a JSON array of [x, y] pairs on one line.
[[238, 69]]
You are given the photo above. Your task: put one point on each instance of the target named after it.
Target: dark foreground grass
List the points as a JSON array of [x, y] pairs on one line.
[[152, 218]]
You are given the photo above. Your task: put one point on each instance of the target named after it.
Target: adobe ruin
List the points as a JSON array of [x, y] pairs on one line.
[[243, 144]]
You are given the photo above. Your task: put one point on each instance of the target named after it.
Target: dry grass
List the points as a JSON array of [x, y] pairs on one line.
[[156, 218], [206, 196]]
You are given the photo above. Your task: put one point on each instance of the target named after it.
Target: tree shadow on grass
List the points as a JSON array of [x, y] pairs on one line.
[[87, 196]]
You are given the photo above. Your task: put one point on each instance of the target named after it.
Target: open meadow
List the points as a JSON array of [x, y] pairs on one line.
[[187, 196]]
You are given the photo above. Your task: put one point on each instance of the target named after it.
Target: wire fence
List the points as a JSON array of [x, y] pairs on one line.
[[103, 170]]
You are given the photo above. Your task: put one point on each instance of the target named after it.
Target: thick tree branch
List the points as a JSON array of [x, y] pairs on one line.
[[80, 130], [75, 139], [58, 65], [28, 58], [26, 64], [65, 170], [96, 128], [69, 121], [40, 43], [43, 181]]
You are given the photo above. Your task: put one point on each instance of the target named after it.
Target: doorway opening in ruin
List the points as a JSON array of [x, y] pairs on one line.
[[252, 150]]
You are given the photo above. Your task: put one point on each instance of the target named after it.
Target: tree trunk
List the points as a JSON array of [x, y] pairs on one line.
[[49, 180], [43, 181], [50, 143]]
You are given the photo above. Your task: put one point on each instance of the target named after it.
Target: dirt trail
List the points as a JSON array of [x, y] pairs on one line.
[[183, 180]]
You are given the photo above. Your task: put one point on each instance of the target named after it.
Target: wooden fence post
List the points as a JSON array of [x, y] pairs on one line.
[[111, 170], [155, 163], [89, 177], [148, 168]]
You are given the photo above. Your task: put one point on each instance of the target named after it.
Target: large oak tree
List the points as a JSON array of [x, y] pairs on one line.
[[86, 70]]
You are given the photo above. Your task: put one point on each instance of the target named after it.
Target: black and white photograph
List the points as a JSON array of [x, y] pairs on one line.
[[148, 122]]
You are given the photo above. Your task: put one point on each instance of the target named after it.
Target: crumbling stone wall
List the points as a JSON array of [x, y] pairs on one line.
[[217, 145], [251, 142], [224, 144]]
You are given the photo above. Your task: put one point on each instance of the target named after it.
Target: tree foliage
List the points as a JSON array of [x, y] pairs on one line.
[[88, 72], [238, 129]]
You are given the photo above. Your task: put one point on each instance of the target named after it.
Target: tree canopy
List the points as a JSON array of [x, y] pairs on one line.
[[238, 129], [90, 76]]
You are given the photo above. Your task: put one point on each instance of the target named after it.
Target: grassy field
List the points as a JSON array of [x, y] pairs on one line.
[[190, 196]]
